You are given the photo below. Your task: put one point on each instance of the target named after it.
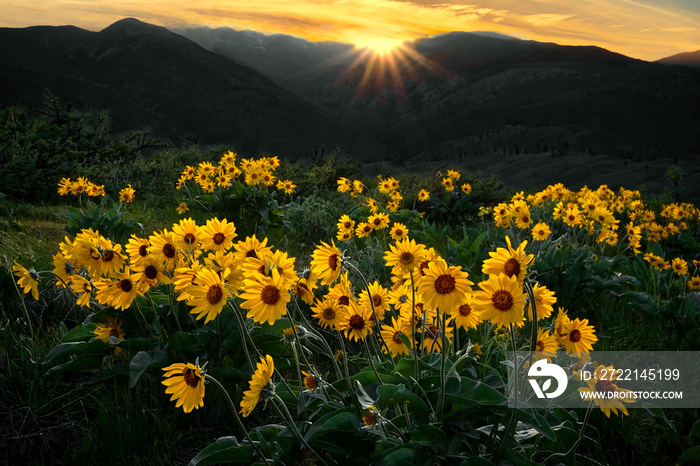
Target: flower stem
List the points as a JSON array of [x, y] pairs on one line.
[[235, 415], [290, 423]]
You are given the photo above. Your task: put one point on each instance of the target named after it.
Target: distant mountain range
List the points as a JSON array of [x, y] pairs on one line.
[[458, 96]]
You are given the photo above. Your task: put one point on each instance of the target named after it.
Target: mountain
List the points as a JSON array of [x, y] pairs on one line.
[[687, 58], [534, 112], [466, 95], [149, 77]]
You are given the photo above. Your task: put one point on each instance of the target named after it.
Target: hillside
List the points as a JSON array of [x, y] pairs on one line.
[[149, 77]]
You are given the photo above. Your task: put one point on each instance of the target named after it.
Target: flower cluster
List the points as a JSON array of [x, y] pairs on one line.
[[80, 186]]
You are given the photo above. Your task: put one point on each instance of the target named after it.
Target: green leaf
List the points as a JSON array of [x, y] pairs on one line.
[[696, 429], [64, 350], [224, 450], [85, 362], [691, 456], [142, 361], [339, 421], [398, 394], [79, 333]]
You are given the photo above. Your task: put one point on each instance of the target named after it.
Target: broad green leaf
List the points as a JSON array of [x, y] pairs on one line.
[[142, 361], [339, 421], [224, 450], [64, 350], [398, 394], [79, 333]]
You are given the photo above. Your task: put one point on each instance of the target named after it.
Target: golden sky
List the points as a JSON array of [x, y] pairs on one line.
[[646, 29]]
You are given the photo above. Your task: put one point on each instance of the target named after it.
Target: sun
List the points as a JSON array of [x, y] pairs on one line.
[[379, 45]]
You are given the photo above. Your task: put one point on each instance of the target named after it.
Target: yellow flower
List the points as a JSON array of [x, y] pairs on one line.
[[64, 186], [344, 185], [544, 299], [398, 231], [454, 174], [380, 299], [355, 321], [265, 298], [185, 383], [345, 223], [326, 263], [392, 336], [105, 332], [28, 279], [580, 337], [680, 266], [83, 288], [694, 283], [500, 300], [163, 247], [466, 188], [310, 381], [423, 195], [432, 337], [444, 287], [363, 229], [208, 294], [465, 315], [182, 208], [287, 185], [217, 234], [448, 184], [546, 345], [63, 269], [404, 256], [251, 247], [118, 292], [378, 221], [127, 194], [609, 397], [511, 262], [327, 313], [541, 231], [258, 383]]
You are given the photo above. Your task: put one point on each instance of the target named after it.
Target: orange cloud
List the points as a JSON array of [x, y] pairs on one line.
[[619, 25]]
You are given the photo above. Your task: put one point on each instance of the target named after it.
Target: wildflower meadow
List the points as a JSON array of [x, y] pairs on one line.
[[250, 310]]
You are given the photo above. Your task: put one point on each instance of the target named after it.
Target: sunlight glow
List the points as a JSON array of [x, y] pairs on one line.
[[379, 46]]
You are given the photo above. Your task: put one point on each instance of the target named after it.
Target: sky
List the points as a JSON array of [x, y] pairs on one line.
[[645, 29]]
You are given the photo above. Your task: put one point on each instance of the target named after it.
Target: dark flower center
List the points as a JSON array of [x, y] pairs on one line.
[[215, 294], [151, 272], [333, 262], [397, 337], [344, 300], [169, 250], [376, 300], [125, 285], [189, 238], [502, 300], [357, 322], [445, 284], [575, 336], [465, 310], [511, 267], [108, 255], [328, 313], [270, 295], [604, 386], [406, 258], [143, 250], [219, 238], [191, 377]]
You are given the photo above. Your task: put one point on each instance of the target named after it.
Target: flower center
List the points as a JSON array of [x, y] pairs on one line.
[[347, 225], [125, 285], [604, 386], [251, 253], [445, 284], [108, 255], [214, 294], [376, 300], [344, 300], [575, 336], [191, 377], [189, 238], [540, 345], [151, 272], [511, 267], [169, 250], [397, 337], [398, 232], [465, 310], [143, 250], [328, 313], [357, 322], [270, 295], [333, 262], [406, 258], [219, 238], [502, 300]]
